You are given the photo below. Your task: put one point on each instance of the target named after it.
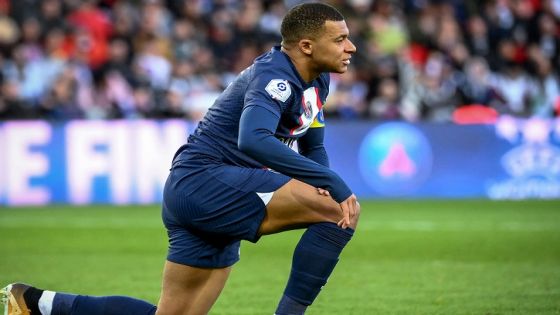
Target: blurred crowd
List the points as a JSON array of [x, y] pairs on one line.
[[417, 60]]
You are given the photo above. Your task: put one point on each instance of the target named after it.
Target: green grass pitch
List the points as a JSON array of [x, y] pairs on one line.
[[408, 257]]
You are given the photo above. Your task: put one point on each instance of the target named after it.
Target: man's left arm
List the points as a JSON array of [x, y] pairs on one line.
[[311, 145]]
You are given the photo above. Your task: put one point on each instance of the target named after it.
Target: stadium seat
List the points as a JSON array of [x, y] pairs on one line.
[[475, 114]]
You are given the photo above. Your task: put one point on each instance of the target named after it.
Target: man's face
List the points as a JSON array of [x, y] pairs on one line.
[[332, 50]]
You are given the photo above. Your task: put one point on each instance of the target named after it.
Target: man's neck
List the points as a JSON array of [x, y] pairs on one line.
[[299, 61]]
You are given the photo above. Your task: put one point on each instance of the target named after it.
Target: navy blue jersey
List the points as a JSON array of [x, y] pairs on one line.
[[270, 90]]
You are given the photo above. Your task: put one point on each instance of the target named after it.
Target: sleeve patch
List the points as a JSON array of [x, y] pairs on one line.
[[279, 89]]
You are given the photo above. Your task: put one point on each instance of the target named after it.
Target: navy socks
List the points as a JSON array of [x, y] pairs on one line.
[[62, 303], [69, 304], [314, 259]]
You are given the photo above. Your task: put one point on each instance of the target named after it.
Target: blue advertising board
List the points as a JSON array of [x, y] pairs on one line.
[[513, 159], [126, 162]]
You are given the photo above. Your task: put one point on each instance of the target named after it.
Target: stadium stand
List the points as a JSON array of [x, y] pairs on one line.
[[416, 60]]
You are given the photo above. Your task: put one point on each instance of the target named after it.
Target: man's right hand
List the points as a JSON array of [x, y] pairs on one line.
[[350, 210]]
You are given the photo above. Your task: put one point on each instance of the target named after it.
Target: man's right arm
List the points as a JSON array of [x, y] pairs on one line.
[[256, 138]]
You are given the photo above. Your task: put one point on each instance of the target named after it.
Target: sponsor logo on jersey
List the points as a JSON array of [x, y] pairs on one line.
[[279, 89], [287, 141], [319, 120]]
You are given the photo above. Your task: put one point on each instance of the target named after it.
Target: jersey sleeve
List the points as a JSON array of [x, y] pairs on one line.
[[311, 144], [256, 138], [269, 92]]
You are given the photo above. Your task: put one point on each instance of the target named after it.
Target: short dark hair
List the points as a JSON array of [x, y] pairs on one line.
[[306, 21]]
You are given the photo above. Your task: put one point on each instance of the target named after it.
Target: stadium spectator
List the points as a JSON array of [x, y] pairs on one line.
[[475, 87], [11, 104], [94, 31], [152, 65], [386, 104], [9, 30], [513, 82], [547, 84], [185, 40], [30, 39], [114, 97], [547, 39], [144, 100], [51, 15], [477, 37], [269, 22], [61, 100], [173, 105], [125, 18]]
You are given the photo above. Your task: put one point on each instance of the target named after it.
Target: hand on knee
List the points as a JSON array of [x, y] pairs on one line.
[[354, 220]]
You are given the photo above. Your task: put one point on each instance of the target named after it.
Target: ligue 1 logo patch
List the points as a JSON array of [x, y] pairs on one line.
[[279, 89]]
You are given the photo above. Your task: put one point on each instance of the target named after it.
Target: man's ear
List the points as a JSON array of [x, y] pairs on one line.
[[306, 46]]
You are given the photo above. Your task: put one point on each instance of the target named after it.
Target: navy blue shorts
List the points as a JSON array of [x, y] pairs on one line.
[[209, 209]]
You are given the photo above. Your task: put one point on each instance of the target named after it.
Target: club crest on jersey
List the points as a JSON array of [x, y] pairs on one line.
[[308, 110], [279, 89]]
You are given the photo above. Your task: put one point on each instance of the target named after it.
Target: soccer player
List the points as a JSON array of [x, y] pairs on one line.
[[237, 178]]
